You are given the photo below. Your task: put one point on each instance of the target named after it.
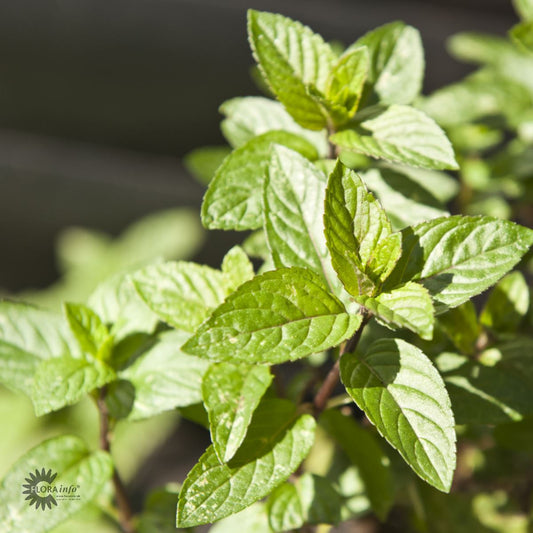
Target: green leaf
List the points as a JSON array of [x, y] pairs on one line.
[[277, 442], [402, 393], [311, 500], [164, 377], [292, 59], [278, 316], [29, 335], [231, 394], [92, 335], [159, 511], [64, 381], [233, 200], [400, 134], [484, 93], [116, 302], [202, 163], [405, 201], [408, 306], [180, 293], [517, 436], [75, 466], [250, 116], [253, 518], [507, 304], [294, 202], [524, 8], [365, 453], [236, 269], [483, 394], [345, 83], [458, 257], [500, 54], [358, 233], [396, 62], [461, 326]]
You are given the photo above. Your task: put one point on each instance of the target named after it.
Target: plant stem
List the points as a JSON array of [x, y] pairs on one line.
[[329, 384], [125, 513]]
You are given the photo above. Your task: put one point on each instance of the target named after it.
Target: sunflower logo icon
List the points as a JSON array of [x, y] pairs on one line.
[[39, 489]]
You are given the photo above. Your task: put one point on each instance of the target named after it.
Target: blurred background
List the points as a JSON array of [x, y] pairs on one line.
[[99, 100]]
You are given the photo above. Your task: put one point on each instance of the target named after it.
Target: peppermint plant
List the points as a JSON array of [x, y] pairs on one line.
[[337, 354]]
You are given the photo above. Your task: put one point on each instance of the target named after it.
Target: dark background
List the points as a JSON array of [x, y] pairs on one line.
[[99, 99]]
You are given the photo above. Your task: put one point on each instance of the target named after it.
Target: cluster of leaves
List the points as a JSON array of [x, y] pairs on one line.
[[489, 117], [364, 276]]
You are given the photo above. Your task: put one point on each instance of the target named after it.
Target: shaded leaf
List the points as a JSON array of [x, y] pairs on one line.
[[277, 441], [483, 394], [365, 453], [461, 326], [507, 304], [311, 500]]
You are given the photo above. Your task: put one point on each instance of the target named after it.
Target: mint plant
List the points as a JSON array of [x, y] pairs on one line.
[[335, 379]]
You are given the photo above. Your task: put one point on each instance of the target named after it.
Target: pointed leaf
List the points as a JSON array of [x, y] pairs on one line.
[[250, 116], [365, 453], [236, 269], [507, 304], [396, 62], [75, 466], [311, 500], [345, 84], [277, 442], [461, 325], [64, 381], [233, 200], [164, 377], [358, 233], [400, 134], [116, 302], [402, 393], [405, 201], [294, 202], [180, 293], [291, 58], [483, 394], [29, 335], [231, 394], [408, 306], [458, 257], [92, 335], [278, 316]]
